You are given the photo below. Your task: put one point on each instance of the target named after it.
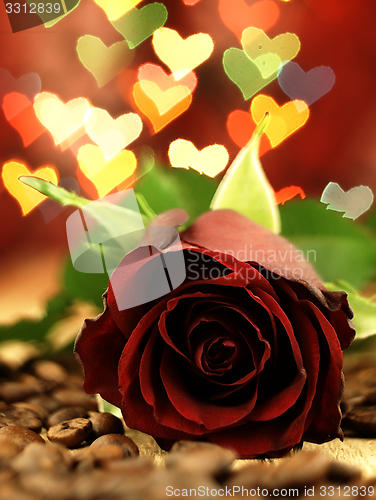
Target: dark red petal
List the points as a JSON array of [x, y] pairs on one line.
[[142, 387], [98, 348], [172, 218], [272, 439], [190, 407], [326, 413], [228, 231]]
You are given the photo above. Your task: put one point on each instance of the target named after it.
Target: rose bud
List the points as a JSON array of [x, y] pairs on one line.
[[245, 353]]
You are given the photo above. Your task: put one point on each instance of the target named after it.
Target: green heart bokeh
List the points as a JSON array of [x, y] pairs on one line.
[[138, 24]]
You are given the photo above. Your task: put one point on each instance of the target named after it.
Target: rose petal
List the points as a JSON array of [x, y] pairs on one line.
[[190, 407], [227, 231], [98, 348]]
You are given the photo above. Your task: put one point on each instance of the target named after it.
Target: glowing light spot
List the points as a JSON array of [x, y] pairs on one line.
[[115, 9], [287, 193], [27, 197], [148, 107], [209, 161], [20, 113], [62, 120], [238, 15], [285, 120], [180, 55], [103, 62], [105, 175], [112, 135]]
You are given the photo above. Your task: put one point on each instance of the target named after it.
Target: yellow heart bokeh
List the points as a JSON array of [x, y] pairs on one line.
[[112, 135], [164, 100], [180, 55], [284, 120], [105, 175], [209, 161], [27, 197], [62, 120], [256, 43], [115, 9]]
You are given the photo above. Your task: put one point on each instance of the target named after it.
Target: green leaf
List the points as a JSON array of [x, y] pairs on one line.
[[36, 330], [245, 188], [338, 248], [364, 308], [167, 188], [105, 406], [108, 214], [85, 286]]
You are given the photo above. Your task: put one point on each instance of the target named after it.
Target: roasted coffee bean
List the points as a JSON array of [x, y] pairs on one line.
[[22, 417], [341, 472], [41, 412], [12, 391], [8, 451], [369, 398], [70, 433], [32, 381], [104, 423], [130, 448], [362, 419], [133, 466], [75, 397], [21, 436], [48, 457], [66, 413], [47, 402], [199, 458], [46, 485], [90, 458], [50, 371]]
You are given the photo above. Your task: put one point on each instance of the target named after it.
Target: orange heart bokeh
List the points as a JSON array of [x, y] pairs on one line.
[[148, 107], [19, 112], [237, 15], [284, 120], [240, 127]]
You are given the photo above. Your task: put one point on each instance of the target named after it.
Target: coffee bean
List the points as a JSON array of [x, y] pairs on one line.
[[44, 485], [75, 397], [3, 406], [362, 419], [66, 413], [38, 457], [50, 371], [70, 433], [130, 448], [104, 423], [22, 417], [41, 412], [12, 391], [369, 398], [47, 402], [341, 472], [193, 457], [21, 436], [90, 458], [134, 466], [8, 451]]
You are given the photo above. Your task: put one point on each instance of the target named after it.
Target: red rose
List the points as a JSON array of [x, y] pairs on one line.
[[245, 353]]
